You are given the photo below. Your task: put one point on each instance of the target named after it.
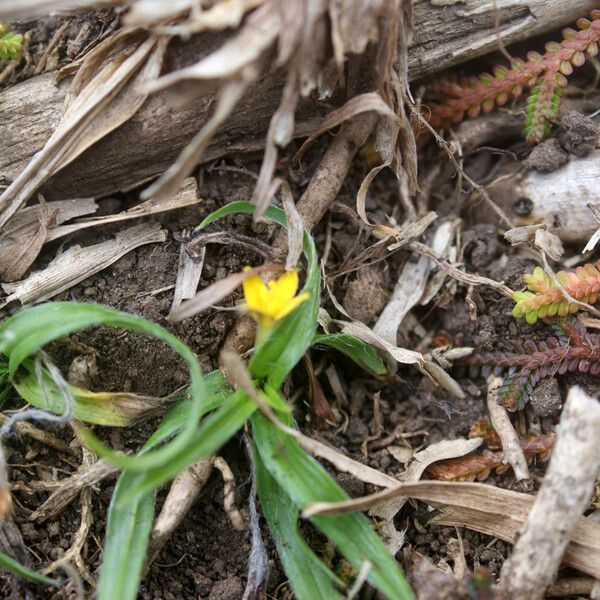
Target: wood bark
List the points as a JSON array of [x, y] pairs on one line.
[[562, 499], [446, 32]]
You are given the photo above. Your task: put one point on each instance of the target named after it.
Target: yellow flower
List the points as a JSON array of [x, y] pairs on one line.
[[270, 302]]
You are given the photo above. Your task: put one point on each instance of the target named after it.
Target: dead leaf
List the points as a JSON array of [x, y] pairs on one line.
[[485, 508], [105, 102], [421, 460], [28, 230], [189, 272], [77, 264]]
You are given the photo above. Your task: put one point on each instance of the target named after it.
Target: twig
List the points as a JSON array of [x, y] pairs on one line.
[[442, 143], [468, 278], [563, 497], [511, 446], [229, 493]]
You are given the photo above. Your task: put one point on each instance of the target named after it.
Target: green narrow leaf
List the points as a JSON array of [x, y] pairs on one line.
[[127, 535], [129, 524], [216, 429], [305, 481], [357, 350], [309, 577], [29, 330], [11, 565]]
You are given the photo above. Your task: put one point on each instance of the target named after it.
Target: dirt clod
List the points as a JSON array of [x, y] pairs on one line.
[[366, 295], [227, 589], [481, 244], [578, 134], [546, 157], [545, 399]]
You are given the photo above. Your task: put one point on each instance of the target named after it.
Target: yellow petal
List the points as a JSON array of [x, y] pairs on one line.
[[255, 293], [283, 290], [291, 305]]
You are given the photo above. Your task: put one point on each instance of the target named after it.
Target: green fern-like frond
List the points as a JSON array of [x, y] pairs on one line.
[[544, 299], [10, 43], [542, 107]]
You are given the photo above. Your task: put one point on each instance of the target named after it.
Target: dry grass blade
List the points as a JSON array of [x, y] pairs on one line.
[[410, 286], [76, 264], [403, 356], [228, 99], [30, 228], [186, 196], [105, 102], [217, 291], [511, 445], [295, 227]]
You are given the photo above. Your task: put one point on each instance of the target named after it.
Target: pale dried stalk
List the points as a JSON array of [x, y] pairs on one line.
[[229, 493], [183, 492], [68, 488], [564, 495], [511, 446]]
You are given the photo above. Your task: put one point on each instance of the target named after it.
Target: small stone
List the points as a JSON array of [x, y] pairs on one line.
[[546, 157], [545, 399], [578, 134]]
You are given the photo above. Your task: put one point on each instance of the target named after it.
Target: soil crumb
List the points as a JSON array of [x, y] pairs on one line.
[[546, 157], [578, 134]]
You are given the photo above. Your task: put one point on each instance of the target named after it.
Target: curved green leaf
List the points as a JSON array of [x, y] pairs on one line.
[[11, 565], [360, 352], [31, 329]]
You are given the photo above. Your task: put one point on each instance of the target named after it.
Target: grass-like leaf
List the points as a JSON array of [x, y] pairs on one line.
[[127, 534], [31, 329], [11, 565], [305, 481], [214, 431], [309, 577], [360, 352]]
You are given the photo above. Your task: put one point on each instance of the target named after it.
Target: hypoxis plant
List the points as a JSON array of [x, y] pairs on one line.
[[10, 43], [207, 416], [545, 74]]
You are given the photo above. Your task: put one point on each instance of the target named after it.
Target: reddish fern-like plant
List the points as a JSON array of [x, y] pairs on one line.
[[546, 73], [573, 349], [544, 299]]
